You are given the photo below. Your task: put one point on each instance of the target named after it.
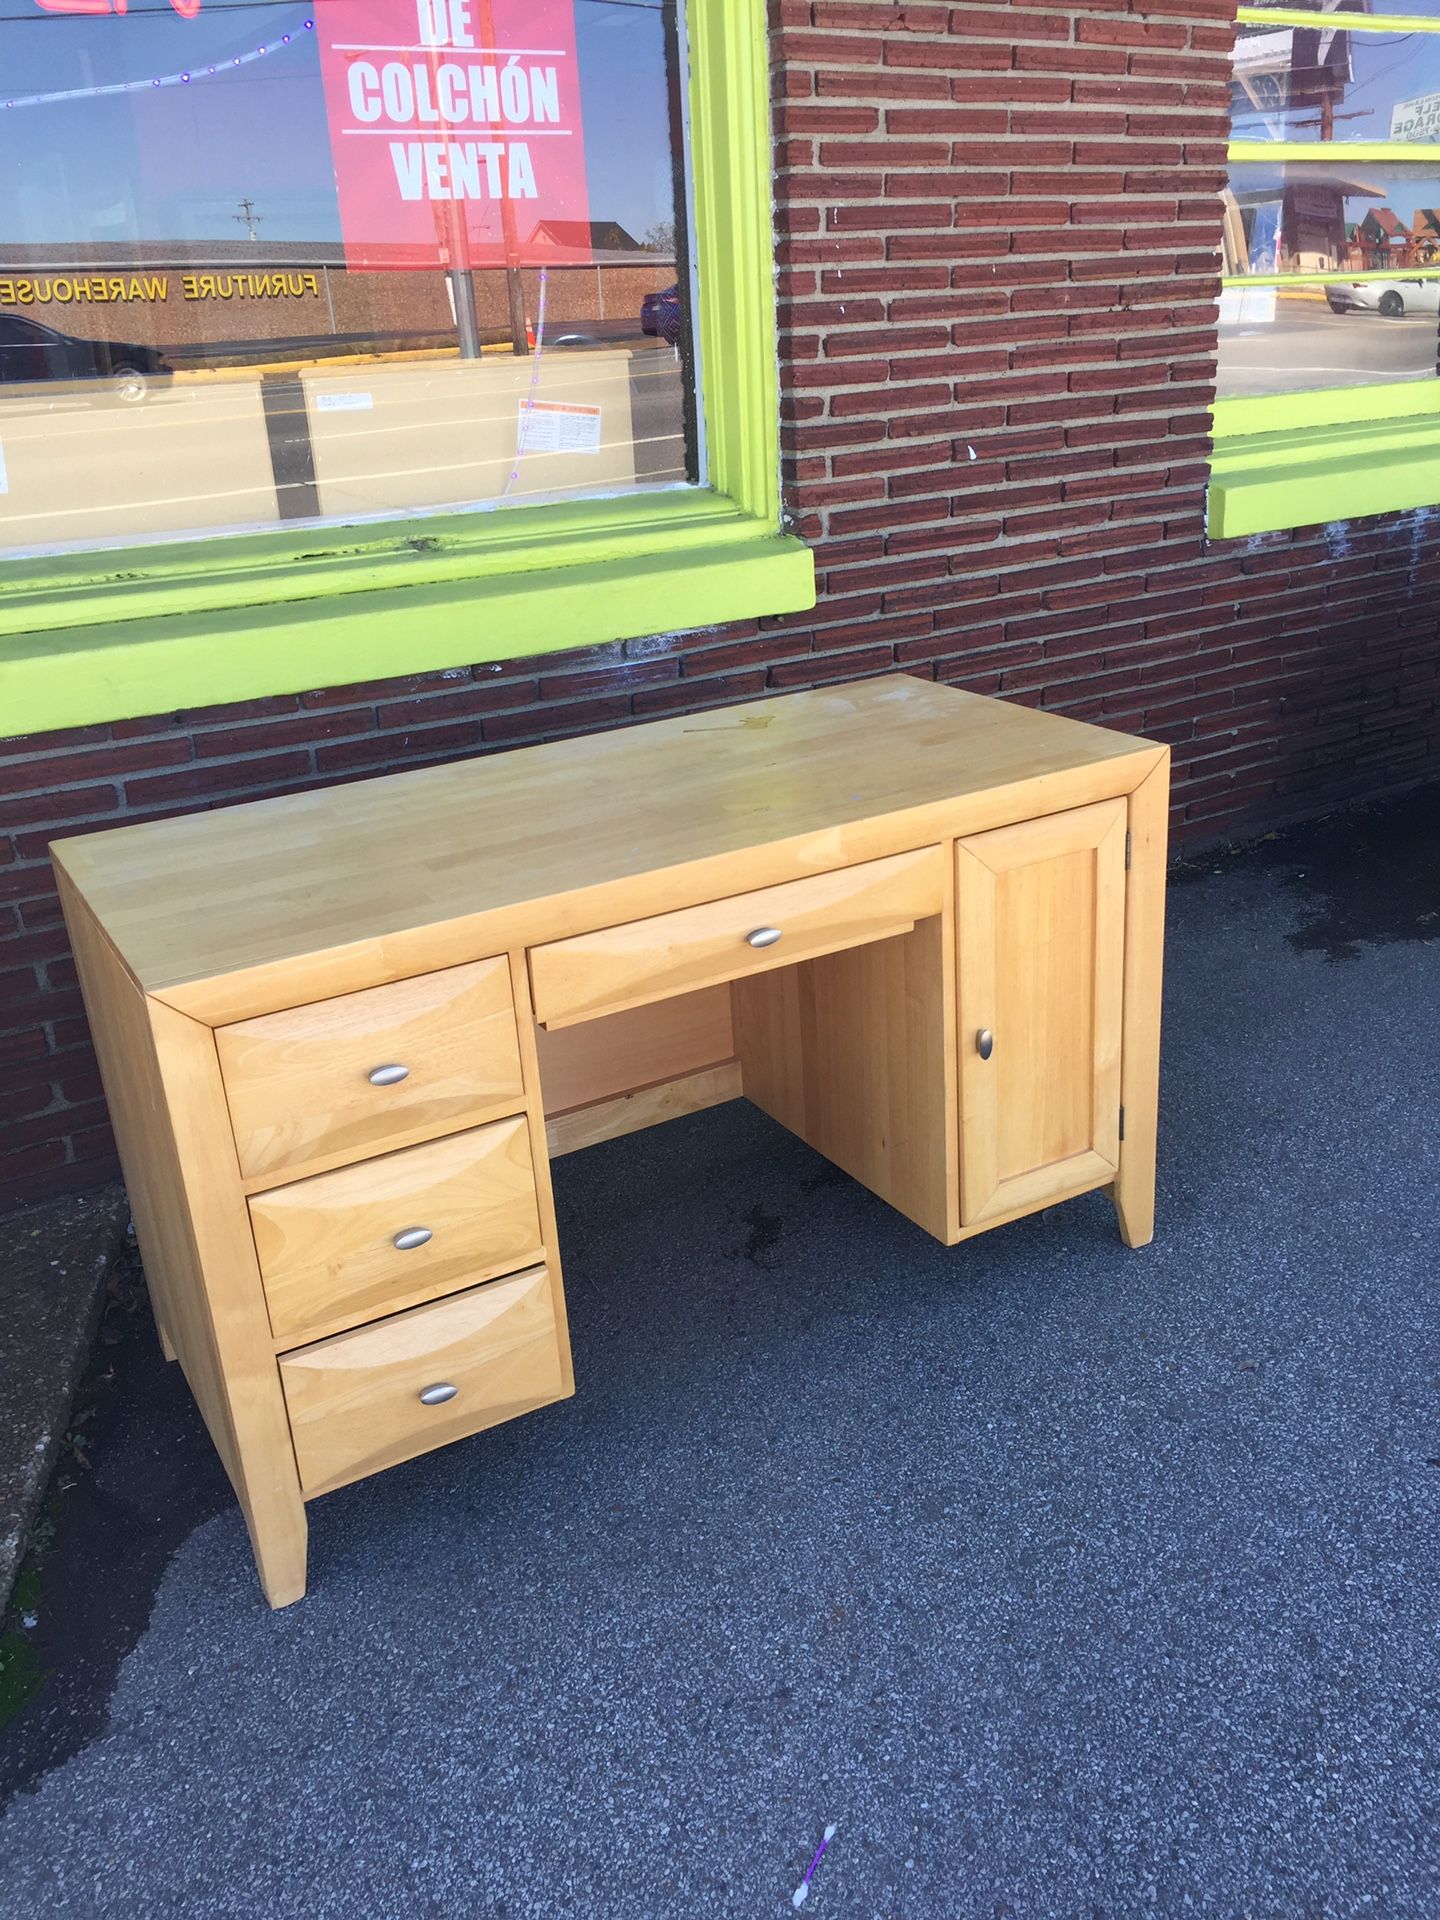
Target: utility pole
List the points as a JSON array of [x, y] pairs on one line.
[[514, 285], [249, 218], [453, 240]]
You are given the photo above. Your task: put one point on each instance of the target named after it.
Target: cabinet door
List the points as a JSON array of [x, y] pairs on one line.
[[1040, 919]]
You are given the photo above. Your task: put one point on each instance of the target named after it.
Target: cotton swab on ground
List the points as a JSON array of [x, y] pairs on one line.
[[802, 1892]]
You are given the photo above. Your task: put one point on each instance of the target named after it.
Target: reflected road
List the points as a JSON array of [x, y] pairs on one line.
[[1308, 346]]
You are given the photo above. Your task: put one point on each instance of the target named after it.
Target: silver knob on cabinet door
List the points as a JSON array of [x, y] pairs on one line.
[[412, 1237], [984, 1043], [387, 1076], [762, 937], [437, 1395]]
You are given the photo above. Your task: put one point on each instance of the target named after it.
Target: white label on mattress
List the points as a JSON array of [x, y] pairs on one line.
[[547, 426]]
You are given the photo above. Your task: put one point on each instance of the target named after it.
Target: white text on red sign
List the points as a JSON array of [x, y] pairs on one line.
[[429, 89]]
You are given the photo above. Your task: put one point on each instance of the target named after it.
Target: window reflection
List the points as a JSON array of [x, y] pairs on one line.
[[1424, 9], [1298, 339], [1325, 83], [1323, 216], [247, 278]]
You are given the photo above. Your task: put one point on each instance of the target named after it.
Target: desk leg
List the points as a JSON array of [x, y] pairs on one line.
[[1144, 955], [540, 1151], [214, 1299], [165, 1347], [279, 1535]]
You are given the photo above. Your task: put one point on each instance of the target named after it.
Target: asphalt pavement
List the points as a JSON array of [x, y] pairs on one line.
[[1064, 1580]]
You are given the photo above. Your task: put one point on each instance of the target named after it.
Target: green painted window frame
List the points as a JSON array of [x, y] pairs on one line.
[[115, 634], [1330, 453]]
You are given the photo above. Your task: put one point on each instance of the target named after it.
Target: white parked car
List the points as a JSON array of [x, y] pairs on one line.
[[1393, 298]]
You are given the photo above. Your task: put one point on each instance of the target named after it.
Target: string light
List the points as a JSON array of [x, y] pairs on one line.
[[182, 79]]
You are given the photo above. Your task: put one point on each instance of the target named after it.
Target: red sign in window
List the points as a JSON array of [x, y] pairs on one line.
[[187, 9], [456, 131]]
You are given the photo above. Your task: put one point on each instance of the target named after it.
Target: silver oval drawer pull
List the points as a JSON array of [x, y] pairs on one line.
[[984, 1043], [387, 1076], [412, 1237], [762, 937], [437, 1395]]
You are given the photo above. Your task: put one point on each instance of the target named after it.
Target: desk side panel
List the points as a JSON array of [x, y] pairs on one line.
[[162, 1084], [119, 1018]]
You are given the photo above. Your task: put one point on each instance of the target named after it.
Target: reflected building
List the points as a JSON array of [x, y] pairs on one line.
[[1297, 219], [242, 301], [1425, 236], [1384, 240]]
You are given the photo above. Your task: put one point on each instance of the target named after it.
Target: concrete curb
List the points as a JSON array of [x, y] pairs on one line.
[[57, 1258]]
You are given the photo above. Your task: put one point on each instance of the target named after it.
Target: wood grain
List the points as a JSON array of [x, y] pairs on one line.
[[618, 1052], [1040, 908], [617, 967], [327, 1245], [937, 863], [297, 1082], [643, 1107], [245, 909], [855, 1054], [355, 1402], [1144, 965], [544, 1190], [162, 1082]]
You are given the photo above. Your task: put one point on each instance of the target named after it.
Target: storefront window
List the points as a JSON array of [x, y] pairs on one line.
[[1331, 231], [1330, 306], [268, 263], [1330, 82]]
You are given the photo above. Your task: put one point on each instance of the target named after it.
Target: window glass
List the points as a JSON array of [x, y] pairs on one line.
[[1329, 217], [1419, 9], [1323, 83], [1293, 339], [267, 262]]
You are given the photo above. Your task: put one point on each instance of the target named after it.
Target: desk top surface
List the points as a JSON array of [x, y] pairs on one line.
[[262, 884]]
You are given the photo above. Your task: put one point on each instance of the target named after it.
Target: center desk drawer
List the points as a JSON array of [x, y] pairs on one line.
[[388, 1233], [625, 966], [365, 1071], [399, 1387]]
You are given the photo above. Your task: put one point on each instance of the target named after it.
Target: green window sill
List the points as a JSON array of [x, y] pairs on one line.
[[1306, 460], [207, 627]]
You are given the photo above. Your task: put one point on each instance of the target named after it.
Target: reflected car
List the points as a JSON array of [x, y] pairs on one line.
[[660, 314], [1393, 298], [591, 333], [30, 352]]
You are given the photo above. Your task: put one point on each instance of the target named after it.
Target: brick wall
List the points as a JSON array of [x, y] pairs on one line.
[[998, 243]]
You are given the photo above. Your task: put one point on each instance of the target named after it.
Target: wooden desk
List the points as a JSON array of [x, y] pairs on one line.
[[343, 1034]]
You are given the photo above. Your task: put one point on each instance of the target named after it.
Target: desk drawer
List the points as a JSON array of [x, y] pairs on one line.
[[644, 960], [371, 1070], [369, 1239], [355, 1401]]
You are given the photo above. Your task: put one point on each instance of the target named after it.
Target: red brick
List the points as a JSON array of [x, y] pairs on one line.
[[998, 237], [217, 780]]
